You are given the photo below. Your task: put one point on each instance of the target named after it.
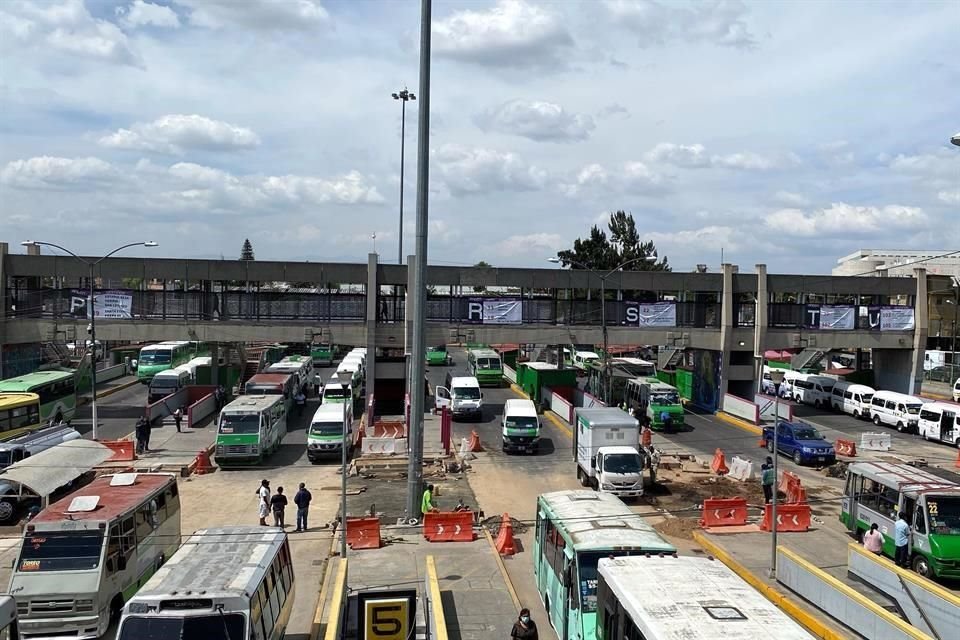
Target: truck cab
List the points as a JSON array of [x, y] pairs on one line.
[[521, 426], [801, 442], [606, 448]]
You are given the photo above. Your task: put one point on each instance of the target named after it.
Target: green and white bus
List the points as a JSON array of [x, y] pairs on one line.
[[877, 492], [326, 437], [322, 354], [57, 389], [574, 530], [486, 367], [250, 428], [155, 358], [654, 398]]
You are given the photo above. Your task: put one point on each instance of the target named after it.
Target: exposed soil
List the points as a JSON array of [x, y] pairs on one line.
[[679, 491], [678, 527]]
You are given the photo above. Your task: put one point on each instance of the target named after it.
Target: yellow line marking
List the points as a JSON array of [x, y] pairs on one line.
[[548, 414], [436, 604], [322, 600], [740, 424], [503, 571], [333, 620], [117, 389], [910, 576], [813, 624]]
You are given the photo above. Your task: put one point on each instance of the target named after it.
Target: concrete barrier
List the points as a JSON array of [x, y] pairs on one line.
[[561, 406], [583, 399], [510, 374], [200, 409], [384, 446], [767, 405], [111, 373], [167, 405], [875, 442], [742, 408]]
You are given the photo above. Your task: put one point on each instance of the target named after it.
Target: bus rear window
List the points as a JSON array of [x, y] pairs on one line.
[[60, 551], [227, 626]]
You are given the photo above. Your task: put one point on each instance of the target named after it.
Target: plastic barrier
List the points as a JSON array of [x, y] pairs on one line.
[[646, 437], [383, 446], [123, 450], [506, 545], [724, 512], [875, 441], [741, 408], [740, 469], [792, 488], [363, 533], [790, 517], [474, 443], [846, 448], [201, 464], [719, 463], [448, 526]]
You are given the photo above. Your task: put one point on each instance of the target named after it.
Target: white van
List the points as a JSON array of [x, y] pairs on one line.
[[812, 389], [941, 422], [956, 390], [462, 396], [786, 387], [896, 410], [326, 437], [520, 426], [851, 398], [766, 383], [167, 382], [354, 368]]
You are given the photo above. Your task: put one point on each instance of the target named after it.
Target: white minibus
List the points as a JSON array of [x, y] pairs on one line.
[[940, 421], [851, 398], [462, 395], [896, 410], [812, 389]]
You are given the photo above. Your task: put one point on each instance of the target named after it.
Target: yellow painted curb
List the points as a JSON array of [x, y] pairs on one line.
[[339, 587], [936, 396], [322, 601], [740, 424], [117, 389], [503, 571], [558, 423], [517, 390], [436, 604], [921, 582], [813, 624]]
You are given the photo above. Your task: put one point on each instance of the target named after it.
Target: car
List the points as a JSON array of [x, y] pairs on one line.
[[801, 442], [939, 374], [438, 356]]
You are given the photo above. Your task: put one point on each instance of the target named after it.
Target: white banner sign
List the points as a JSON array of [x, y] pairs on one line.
[[502, 311], [107, 304], [896, 319], [660, 314], [838, 318]]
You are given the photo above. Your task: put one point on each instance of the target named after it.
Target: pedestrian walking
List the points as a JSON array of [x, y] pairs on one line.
[[901, 538], [524, 627], [317, 383], [178, 418], [301, 401], [426, 503], [223, 396], [278, 503], [873, 540], [263, 501], [767, 479], [667, 421], [302, 500], [141, 433]]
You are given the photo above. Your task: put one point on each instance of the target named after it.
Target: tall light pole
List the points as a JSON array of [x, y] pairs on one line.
[[603, 309], [403, 96], [776, 377], [91, 306], [344, 377]]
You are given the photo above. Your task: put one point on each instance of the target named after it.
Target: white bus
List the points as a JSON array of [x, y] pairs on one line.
[[86, 554], [940, 421], [8, 619], [896, 410], [250, 428], [225, 583], [851, 398], [301, 367], [667, 597]]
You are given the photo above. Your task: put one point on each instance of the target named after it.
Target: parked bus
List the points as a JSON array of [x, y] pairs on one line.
[[250, 428], [272, 384], [322, 354], [486, 367], [940, 421], [19, 414], [57, 389], [159, 357], [224, 583], [8, 618], [300, 367], [87, 553], [574, 530], [669, 597], [877, 492]]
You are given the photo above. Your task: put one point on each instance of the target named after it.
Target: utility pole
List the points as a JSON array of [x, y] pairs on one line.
[[419, 346]]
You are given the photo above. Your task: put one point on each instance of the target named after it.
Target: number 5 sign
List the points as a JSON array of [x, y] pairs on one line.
[[387, 615]]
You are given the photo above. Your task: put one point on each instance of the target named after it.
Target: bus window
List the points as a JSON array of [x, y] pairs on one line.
[[113, 548]]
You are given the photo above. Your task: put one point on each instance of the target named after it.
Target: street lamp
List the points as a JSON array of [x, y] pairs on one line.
[[403, 96], [603, 308], [93, 312], [344, 377], [776, 377]]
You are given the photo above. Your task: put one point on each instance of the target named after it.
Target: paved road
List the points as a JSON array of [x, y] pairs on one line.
[[116, 413]]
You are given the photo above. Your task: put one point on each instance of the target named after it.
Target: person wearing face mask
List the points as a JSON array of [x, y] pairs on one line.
[[524, 627]]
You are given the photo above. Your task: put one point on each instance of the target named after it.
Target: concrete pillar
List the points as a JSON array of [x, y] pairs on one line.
[[726, 328], [373, 297], [921, 325], [214, 363], [760, 323], [408, 315]]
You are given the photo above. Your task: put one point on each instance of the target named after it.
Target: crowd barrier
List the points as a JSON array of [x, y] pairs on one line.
[[724, 512], [875, 441], [790, 517], [448, 526], [363, 533]]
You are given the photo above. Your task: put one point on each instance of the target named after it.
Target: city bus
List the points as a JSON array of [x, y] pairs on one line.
[[322, 354], [57, 389], [653, 398], [155, 358], [485, 366], [574, 530], [19, 414], [301, 367], [668, 597], [83, 556], [272, 384], [8, 618], [877, 492], [250, 428], [621, 370], [224, 583]]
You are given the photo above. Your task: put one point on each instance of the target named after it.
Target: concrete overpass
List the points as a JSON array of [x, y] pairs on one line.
[[736, 316]]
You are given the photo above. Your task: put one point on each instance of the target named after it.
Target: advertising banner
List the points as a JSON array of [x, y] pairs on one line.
[[896, 319], [495, 310], [106, 304], [659, 314], [838, 318]]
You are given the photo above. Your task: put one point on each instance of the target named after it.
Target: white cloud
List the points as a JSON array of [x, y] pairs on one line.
[[942, 163], [45, 172], [680, 155], [537, 120], [470, 170], [511, 34], [177, 133], [695, 156], [697, 239], [631, 177], [256, 14], [718, 23], [140, 13], [533, 243], [847, 219], [950, 197], [790, 198]]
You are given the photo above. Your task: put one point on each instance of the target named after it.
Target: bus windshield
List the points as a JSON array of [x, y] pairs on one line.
[[326, 429], [944, 512], [240, 423], [228, 626], [61, 551], [520, 422], [154, 357], [636, 370], [335, 391], [488, 363], [665, 397], [465, 393]]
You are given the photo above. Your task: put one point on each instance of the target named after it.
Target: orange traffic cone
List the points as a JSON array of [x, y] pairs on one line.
[[719, 464], [202, 463], [475, 442], [505, 543]]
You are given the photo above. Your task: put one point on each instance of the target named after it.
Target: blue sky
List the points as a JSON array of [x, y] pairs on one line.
[[785, 133]]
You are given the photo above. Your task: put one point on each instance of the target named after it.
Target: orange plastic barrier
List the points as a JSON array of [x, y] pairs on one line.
[[846, 448], [791, 487], [475, 445], [720, 512], [719, 464], [123, 450], [201, 464], [506, 546], [363, 533], [762, 443], [790, 517], [448, 526]]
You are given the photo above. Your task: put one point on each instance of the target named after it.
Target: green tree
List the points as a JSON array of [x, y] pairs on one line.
[[602, 253], [483, 264], [246, 253]]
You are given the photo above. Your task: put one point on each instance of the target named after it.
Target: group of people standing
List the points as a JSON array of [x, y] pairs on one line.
[[276, 504]]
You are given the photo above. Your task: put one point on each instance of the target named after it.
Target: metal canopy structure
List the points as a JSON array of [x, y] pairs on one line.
[[49, 470]]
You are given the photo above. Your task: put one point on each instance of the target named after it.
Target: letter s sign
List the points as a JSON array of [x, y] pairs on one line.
[[633, 315]]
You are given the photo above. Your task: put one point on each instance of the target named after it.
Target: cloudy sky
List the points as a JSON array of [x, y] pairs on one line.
[[784, 133]]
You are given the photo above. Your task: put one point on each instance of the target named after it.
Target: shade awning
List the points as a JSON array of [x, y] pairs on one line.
[[49, 470]]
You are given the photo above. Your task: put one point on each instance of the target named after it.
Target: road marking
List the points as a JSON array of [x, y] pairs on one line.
[[548, 414]]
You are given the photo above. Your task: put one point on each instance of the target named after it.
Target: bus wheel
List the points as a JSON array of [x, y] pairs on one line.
[[921, 566], [8, 512], [116, 608]]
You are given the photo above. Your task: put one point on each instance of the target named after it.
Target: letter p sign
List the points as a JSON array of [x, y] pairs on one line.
[[77, 304]]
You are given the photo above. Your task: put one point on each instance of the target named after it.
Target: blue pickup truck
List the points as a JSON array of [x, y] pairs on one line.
[[801, 442]]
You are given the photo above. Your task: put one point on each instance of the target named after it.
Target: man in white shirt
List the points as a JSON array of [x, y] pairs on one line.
[[263, 495]]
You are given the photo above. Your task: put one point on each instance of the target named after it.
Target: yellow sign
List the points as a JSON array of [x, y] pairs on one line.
[[387, 619]]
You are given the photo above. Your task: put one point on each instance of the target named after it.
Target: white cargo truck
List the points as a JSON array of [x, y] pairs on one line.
[[606, 443]]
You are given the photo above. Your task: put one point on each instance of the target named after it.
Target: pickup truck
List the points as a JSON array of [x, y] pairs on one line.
[[801, 442]]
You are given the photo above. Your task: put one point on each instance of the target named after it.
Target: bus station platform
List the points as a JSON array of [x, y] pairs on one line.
[[170, 451]]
